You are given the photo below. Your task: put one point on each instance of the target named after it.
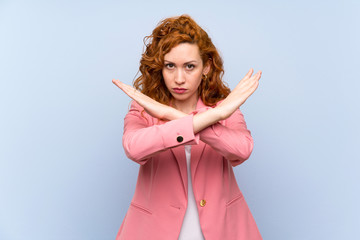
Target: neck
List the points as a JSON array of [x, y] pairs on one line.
[[185, 106]]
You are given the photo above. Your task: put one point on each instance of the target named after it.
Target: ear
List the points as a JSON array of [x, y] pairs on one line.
[[207, 67]]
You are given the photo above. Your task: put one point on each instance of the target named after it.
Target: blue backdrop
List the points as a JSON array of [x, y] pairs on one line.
[[63, 171]]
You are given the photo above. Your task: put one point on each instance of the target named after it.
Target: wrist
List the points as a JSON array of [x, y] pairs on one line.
[[218, 113], [173, 114]]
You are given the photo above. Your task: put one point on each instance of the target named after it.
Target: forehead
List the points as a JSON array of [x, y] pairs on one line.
[[183, 52]]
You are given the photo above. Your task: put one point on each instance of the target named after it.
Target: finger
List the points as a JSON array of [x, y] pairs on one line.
[[117, 83], [248, 83], [256, 76], [250, 72], [246, 78], [128, 90], [253, 86]]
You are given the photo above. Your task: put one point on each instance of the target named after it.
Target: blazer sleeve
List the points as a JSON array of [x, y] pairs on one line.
[[143, 139], [230, 138]]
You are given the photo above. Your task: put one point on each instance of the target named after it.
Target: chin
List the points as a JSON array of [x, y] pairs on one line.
[[180, 98]]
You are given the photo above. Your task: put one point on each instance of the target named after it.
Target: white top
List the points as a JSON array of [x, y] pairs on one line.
[[190, 229]]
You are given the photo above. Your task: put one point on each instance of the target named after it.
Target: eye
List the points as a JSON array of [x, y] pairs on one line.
[[190, 66], [169, 66]]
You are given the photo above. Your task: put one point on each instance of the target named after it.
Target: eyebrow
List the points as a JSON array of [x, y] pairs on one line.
[[192, 61]]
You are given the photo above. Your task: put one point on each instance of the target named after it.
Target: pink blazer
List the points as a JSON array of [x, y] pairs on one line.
[[158, 206]]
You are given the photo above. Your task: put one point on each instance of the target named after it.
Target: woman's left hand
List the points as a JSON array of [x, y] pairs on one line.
[[152, 107]]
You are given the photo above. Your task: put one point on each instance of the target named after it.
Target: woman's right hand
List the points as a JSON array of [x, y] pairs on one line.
[[152, 107], [239, 95]]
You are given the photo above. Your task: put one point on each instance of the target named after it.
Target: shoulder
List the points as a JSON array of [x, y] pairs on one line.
[[134, 106]]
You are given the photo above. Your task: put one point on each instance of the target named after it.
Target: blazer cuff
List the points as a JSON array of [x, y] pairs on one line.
[[173, 135]]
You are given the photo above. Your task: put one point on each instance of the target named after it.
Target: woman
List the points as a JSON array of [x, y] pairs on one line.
[[186, 131]]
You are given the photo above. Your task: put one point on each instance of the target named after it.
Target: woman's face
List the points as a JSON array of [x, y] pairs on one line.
[[182, 72]]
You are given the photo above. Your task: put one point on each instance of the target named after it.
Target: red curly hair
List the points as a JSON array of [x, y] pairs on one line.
[[169, 33]]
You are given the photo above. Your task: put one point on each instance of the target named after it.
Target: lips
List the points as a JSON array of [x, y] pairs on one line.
[[179, 90]]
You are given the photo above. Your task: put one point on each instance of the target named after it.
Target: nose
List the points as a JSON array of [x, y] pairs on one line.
[[179, 77]]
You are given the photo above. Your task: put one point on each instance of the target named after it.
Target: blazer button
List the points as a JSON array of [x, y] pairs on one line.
[[202, 203], [179, 139]]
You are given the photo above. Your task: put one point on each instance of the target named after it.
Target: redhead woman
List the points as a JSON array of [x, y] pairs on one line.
[[185, 130]]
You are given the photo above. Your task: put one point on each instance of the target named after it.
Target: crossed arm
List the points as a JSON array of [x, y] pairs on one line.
[[226, 108]]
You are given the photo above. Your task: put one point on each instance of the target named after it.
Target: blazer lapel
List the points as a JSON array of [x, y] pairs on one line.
[[196, 153], [179, 153], [197, 150]]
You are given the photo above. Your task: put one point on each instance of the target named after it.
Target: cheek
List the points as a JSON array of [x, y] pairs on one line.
[[198, 84], [166, 78], [197, 80]]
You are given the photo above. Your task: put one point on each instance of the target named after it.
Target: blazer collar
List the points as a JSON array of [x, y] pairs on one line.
[[200, 104]]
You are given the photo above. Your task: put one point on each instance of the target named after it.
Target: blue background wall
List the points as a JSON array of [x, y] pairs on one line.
[[63, 172]]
